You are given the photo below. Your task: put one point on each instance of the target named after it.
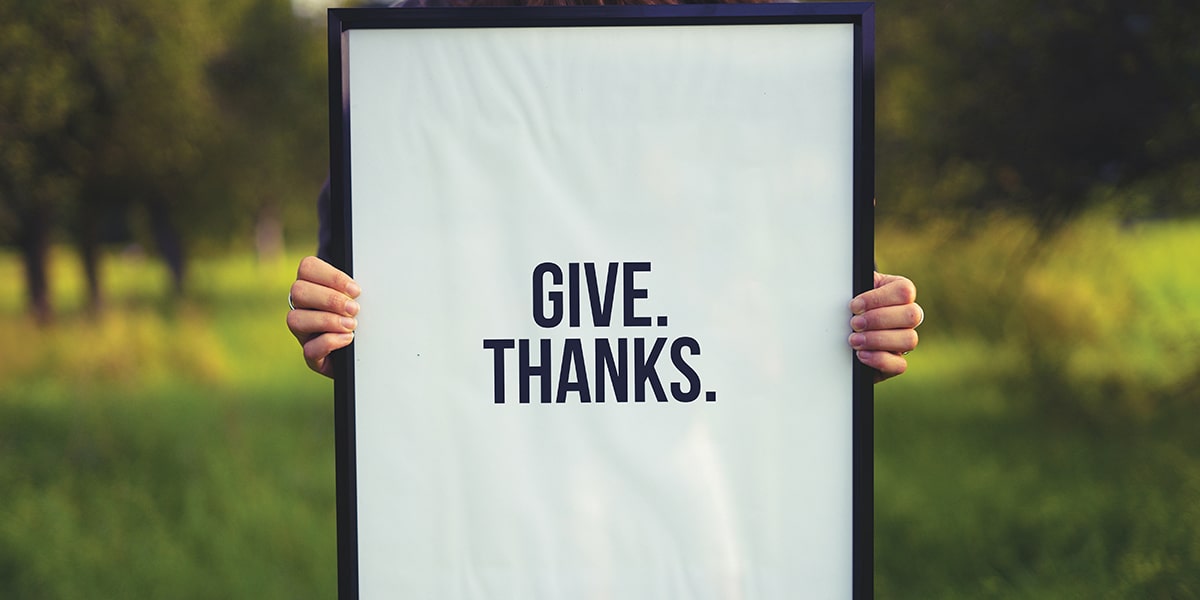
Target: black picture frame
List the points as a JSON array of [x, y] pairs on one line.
[[343, 21]]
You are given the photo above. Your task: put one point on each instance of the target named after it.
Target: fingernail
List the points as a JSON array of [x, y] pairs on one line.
[[349, 323], [352, 308], [353, 290], [857, 340], [858, 323], [858, 306]]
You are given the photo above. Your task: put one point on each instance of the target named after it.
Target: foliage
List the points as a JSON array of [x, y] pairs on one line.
[[1038, 447], [1096, 323], [175, 125], [272, 156], [1033, 106], [200, 126]]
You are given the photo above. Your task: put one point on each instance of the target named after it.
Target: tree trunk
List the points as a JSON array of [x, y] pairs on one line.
[[268, 234], [166, 236], [86, 233], [89, 254], [34, 240]]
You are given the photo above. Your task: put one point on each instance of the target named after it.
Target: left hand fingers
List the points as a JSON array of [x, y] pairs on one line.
[[887, 364], [890, 290], [906, 316], [888, 340]]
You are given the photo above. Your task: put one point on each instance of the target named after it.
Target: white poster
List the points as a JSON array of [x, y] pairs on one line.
[[602, 346]]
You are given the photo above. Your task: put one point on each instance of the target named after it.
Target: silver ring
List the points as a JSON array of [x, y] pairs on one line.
[[290, 305]]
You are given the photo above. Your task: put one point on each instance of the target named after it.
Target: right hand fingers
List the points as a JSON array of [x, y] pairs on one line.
[[321, 273], [322, 317], [305, 324], [313, 296], [317, 349]]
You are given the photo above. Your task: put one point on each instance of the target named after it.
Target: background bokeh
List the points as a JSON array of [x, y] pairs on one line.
[[1039, 179]]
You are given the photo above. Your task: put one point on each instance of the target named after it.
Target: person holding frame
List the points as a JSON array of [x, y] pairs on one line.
[[323, 311]]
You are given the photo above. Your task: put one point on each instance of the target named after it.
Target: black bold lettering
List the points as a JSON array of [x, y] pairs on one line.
[[573, 361], [498, 347], [573, 294], [632, 292], [528, 370], [601, 308], [541, 297], [685, 369], [643, 369], [607, 366]]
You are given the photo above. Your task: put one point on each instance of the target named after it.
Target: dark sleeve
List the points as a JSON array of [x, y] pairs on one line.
[[325, 232]]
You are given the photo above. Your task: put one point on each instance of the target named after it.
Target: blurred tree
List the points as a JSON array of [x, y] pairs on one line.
[[1036, 106], [146, 123], [178, 117], [38, 96], [271, 84], [105, 106]]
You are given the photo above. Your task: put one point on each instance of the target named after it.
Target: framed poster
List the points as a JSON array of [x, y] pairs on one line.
[[606, 256]]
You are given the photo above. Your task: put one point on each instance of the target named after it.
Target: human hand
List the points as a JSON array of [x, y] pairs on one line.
[[884, 324], [323, 310]]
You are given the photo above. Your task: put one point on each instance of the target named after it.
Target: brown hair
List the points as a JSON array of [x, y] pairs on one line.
[[597, 2]]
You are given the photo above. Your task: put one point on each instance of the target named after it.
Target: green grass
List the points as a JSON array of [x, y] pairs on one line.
[[1041, 445], [975, 499], [164, 450]]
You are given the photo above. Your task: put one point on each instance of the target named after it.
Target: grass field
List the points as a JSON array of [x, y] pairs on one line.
[[1042, 445], [164, 450]]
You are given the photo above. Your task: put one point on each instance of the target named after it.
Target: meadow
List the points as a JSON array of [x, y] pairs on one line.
[[1041, 446], [1043, 443], [166, 449]]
